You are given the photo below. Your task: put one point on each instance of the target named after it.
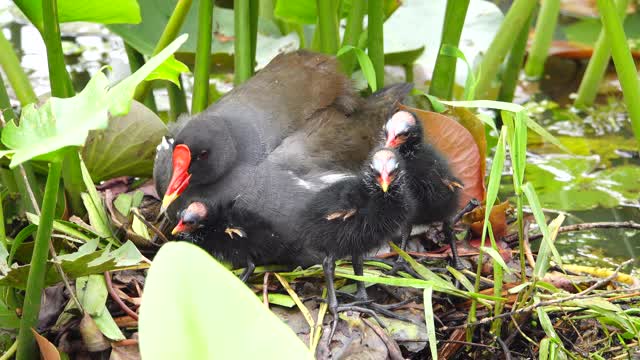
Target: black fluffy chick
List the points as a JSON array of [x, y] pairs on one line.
[[238, 236], [429, 178], [356, 215]]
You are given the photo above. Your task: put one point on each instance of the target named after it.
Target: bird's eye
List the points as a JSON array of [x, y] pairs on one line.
[[203, 155]]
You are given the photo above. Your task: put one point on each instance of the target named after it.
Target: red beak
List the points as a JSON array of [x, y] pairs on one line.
[[180, 177], [179, 228], [391, 139], [391, 142]]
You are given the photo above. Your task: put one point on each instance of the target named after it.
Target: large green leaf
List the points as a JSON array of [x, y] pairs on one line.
[[103, 12], [194, 308], [126, 147], [155, 14], [86, 261], [60, 123]]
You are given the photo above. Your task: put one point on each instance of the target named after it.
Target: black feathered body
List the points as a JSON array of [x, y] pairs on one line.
[[262, 245], [428, 176], [376, 217]]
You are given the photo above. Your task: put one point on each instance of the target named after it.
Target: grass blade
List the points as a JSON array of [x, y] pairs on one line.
[[428, 318]]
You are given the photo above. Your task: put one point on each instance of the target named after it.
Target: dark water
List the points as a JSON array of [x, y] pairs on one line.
[[600, 181]]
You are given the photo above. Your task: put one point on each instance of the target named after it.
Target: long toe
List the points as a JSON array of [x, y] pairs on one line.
[[459, 264]]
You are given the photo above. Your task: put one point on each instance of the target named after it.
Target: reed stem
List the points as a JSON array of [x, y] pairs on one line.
[[598, 63], [444, 72], [35, 281], [200, 99], [545, 27], [513, 22], [376, 39]]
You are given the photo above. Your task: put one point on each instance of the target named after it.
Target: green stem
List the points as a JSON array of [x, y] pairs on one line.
[[511, 72], [520, 223], [61, 87], [444, 72], [35, 281], [200, 99], [625, 67], [177, 101], [136, 60], [376, 39], [168, 35], [60, 80], [73, 184], [597, 64], [254, 13], [15, 74], [545, 27], [10, 351], [408, 72], [513, 22], [352, 34], [328, 26], [242, 45], [3, 234]]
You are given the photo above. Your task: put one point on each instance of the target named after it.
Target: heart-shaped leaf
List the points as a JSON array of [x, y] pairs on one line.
[[456, 143], [126, 147]]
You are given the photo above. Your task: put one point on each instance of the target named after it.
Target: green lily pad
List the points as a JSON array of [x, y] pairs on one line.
[[574, 182]]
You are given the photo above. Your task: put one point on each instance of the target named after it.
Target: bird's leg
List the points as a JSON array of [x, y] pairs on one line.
[[248, 271], [472, 204], [358, 268], [329, 267], [451, 239], [400, 264]]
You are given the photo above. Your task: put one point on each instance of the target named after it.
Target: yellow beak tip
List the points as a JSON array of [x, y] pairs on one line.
[[166, 201]]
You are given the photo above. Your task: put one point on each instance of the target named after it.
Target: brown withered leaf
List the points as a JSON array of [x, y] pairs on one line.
[[498, 219], [47, 349]]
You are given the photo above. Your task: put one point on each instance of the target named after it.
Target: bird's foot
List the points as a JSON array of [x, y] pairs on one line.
[[383, 309], [458, 264], [401, 265], [452, 185], [235, 231], [340, 214]]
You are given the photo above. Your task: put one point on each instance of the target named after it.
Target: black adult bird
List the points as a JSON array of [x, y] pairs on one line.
[[356, 215], [429, 178], [297, 117], [239, 236]]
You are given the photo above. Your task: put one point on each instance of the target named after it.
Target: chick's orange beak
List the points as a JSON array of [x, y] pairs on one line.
[[384, 181], [180, 177], [179, 228], [391, 140]]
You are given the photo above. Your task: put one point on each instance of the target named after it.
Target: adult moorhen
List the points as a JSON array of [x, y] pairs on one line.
[[300, 113], [429, 178], [356, 215]]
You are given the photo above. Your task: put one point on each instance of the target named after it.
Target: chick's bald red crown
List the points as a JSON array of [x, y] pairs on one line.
[[397, 127]]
